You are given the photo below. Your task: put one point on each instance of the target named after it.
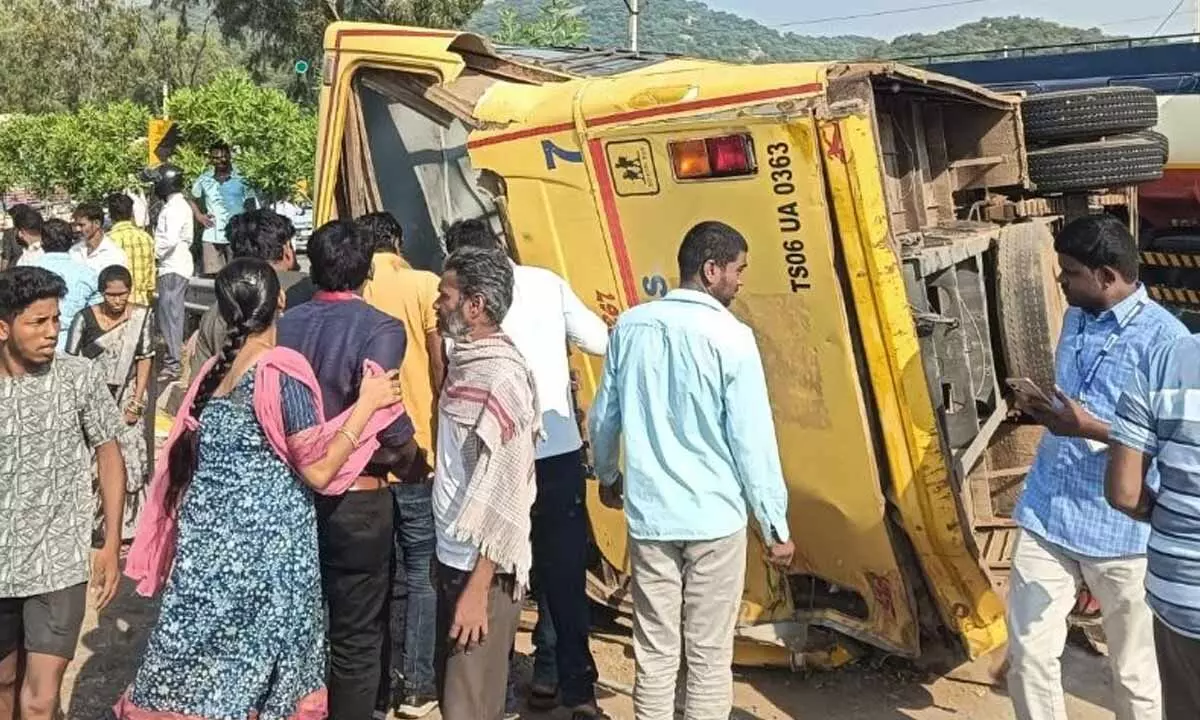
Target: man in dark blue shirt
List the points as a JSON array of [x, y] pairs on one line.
[[336, 331]]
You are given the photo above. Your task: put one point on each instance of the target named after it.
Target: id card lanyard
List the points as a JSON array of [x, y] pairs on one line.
[[1109, 344]]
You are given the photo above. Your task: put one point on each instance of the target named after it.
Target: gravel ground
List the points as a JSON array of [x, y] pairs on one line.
[[111, 645]]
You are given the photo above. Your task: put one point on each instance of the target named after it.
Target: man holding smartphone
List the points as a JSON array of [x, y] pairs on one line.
[[1069, 534]]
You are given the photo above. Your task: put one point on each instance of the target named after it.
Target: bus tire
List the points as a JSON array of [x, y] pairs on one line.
[[1088, 114], [1113, 163], [1158, 139], [1029, 303]]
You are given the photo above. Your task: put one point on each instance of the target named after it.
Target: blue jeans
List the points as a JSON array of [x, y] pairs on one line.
[[413, 607], [545, 646], [560, 556]]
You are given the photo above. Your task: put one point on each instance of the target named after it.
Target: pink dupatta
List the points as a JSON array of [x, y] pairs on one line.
[[153, 550]]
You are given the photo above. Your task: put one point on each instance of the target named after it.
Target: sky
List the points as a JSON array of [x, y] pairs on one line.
[[1112, 16]]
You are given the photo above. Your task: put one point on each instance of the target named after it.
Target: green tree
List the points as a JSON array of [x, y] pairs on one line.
[[557, 24], [282, 31], [694, 29], [100, 148], [24, 158], [991, 34], [273, 137], [58, 55], [87, 153], [180, 56]]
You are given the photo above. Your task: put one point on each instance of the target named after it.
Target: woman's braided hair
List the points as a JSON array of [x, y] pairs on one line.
[[247, 292]]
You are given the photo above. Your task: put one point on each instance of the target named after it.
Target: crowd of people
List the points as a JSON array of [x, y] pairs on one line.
[[371, 468], [374, 464]]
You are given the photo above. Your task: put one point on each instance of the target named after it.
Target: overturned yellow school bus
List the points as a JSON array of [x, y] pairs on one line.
[[900, 268]]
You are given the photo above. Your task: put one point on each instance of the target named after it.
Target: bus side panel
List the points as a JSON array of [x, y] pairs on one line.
[[793, 300], [556, 225], [921, 484]]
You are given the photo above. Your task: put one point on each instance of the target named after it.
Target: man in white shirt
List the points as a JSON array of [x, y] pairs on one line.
[[94, 248], [544, 317], [173, 235]]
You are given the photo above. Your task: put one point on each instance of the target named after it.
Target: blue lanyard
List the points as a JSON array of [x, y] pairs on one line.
[[1109, 344]]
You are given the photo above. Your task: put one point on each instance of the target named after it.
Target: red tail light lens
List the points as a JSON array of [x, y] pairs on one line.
[[731, 155], [715, 157]]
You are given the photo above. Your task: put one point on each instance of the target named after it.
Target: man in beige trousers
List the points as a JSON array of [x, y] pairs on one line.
[[684, 385]]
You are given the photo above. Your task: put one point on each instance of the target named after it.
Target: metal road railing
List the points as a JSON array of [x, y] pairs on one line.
[[1005, 52]]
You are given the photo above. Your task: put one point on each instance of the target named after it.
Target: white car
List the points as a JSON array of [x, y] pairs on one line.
[[302, 218]]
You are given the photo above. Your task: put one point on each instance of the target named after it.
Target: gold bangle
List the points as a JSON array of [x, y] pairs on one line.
[[352, 437]]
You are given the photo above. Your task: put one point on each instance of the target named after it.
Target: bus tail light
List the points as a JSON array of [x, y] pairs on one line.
[[690, 159], [716, 157]]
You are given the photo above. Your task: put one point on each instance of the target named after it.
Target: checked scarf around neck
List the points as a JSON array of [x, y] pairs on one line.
[[490, 390]]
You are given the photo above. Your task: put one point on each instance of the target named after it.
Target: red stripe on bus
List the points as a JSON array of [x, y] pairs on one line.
[[608, 200]]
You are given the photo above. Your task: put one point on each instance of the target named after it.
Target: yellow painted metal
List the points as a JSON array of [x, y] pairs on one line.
[[919, 472], [155, 132], [837, 510], [681, 83], [809, 335], [1175, 260], [558, 223], [748, 654], [350, 47]]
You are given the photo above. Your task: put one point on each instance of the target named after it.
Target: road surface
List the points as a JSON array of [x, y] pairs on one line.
[[875, 690]]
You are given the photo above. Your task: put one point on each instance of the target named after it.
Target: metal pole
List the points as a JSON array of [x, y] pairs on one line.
[[633, 25], [1196, 21]]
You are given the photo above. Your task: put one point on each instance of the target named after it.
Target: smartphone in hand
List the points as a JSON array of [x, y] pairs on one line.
[[1028, 388]]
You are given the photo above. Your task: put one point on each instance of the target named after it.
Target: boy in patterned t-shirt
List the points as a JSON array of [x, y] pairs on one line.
[[55, 411]]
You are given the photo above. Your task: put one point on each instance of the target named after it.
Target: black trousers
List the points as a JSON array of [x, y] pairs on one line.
[[355, 533], [1179, 669], [560, 556]]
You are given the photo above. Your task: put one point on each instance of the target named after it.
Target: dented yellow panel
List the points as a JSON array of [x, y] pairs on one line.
[[919, 472], [793, 300]]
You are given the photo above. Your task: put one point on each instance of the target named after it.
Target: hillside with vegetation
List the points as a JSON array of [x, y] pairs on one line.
[[692, 28]]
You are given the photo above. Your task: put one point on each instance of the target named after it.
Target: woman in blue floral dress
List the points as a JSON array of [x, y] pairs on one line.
[[241, 632]]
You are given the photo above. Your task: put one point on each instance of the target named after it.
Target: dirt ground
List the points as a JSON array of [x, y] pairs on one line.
[[111, 645]]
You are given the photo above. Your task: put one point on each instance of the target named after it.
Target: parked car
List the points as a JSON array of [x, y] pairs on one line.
[[302, 218]]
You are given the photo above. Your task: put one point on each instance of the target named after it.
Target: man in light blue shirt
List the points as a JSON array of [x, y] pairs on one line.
[[1069, 534], [225, 193], [1158, 418], [82, 281], [683, 384]]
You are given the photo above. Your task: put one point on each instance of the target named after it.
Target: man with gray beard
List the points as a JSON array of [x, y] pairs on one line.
[[483, 488]]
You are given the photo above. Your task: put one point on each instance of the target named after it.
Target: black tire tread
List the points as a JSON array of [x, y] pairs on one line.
[[1029, 302], [1088, 114], [1118, 162], [1158, 138]]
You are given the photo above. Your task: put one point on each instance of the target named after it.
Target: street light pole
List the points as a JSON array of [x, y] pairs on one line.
[[633, 24]]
